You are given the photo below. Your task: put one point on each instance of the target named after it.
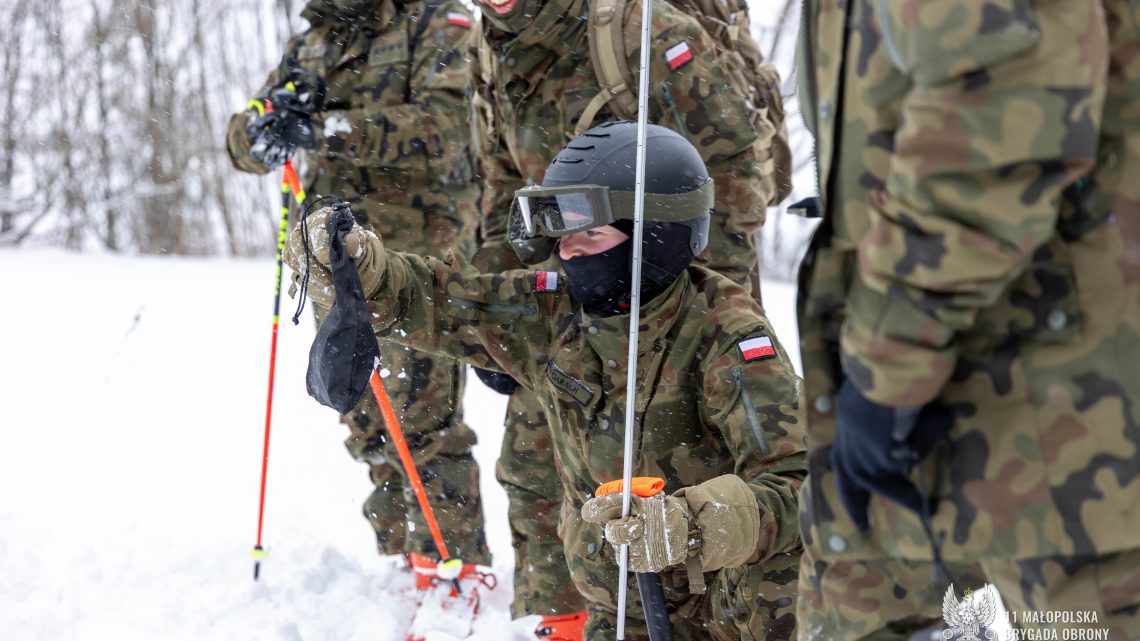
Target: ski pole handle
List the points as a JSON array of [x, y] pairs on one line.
[[653, 602]]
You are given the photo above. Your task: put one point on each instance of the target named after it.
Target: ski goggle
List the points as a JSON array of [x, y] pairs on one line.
[[560, 211]]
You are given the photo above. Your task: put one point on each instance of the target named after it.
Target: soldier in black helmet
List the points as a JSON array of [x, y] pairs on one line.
[[718, 405]]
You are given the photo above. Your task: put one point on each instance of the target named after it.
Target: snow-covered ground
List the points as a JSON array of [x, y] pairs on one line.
[[132, 401]]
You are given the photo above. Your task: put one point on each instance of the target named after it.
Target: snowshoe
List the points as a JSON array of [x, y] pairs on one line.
[[447, 595], [562, 627]]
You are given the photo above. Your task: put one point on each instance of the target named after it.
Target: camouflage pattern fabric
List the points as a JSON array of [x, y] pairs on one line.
[[754, 601], [527, 471], [532, 89], [394, 144], [706, 411], [1105, 586], [876, 600], [530, 92], [893, 599], [980, 250]]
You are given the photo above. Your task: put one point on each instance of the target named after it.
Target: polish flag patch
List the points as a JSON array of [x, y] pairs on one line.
[[546, 281], [678, 55], [458, 19], [753, 349]]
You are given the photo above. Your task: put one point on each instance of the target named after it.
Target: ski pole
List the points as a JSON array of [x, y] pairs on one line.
[[446, 564], [649, 585], [289, 183]]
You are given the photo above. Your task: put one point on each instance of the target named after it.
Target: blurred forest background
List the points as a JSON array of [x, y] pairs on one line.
[[114, 116]]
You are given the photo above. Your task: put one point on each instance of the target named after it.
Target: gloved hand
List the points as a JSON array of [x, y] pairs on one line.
[[365, 249], [716, 522], [498, 381], [657, 529], [275, 134], [876, 448]]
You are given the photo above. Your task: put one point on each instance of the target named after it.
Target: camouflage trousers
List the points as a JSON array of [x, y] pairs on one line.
[[891, 599], [752, 602], [529, 474], [425, 391]]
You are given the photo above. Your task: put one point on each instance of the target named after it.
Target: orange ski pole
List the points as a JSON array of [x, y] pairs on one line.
[[406, 458]]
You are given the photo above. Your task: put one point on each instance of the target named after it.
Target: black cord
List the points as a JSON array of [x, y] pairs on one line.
[[941, 573], [304, 289]]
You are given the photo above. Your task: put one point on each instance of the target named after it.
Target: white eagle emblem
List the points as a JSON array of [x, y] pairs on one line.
[[969, 619]]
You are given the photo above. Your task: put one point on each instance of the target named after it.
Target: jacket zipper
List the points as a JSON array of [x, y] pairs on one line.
[[888, 40], [750, 411]]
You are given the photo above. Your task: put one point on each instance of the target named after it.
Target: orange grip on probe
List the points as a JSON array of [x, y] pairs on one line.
[[643, 486]]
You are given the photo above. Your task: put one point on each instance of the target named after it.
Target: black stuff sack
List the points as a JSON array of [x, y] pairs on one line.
[[345, 351]]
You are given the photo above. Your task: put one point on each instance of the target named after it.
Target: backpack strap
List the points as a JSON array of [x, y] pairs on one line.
[[611, 65]]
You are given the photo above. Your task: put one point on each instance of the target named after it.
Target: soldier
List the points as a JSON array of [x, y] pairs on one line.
[[970, 315], [395, 145], [718, 414], [538, 85]]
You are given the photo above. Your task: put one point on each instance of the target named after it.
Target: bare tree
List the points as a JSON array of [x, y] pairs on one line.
[[114, 119]]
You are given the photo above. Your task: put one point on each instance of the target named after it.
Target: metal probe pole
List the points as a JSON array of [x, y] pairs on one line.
[[635, 308]]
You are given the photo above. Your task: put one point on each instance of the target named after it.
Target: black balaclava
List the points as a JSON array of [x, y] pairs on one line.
[[601, 282]]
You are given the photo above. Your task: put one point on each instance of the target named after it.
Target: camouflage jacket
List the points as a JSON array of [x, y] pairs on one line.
[[396, 127], [532, 89], [703, 409], [977, 167]]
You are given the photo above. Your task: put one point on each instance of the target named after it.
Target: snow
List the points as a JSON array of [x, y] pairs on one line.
[[132, 408]]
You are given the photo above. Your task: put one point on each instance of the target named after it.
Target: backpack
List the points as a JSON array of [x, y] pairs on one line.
[[726, 21]]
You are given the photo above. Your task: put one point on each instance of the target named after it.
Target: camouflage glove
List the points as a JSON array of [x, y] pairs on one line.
[[657, 529], [365, 249], [875, 449], [709, 526]]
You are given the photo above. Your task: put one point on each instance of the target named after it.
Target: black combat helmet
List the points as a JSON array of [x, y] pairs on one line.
[[591, 183], [594, 176]]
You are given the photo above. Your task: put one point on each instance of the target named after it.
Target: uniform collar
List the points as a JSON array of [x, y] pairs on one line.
[[387, 12], [609, 336], [317, 12], [555, 30]]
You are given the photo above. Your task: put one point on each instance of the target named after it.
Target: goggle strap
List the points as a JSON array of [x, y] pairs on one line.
[[665, 207]]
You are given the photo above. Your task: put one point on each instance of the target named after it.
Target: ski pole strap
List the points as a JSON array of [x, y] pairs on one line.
[[643, 486]]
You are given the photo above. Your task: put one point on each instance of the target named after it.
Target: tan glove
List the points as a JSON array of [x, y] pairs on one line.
[[365, 249], [725, 512], [657, 529], [716, 523]]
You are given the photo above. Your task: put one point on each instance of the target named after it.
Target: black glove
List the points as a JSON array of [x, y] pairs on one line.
[[287, 121], [876, 447], [498, 381], [275, 135]]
